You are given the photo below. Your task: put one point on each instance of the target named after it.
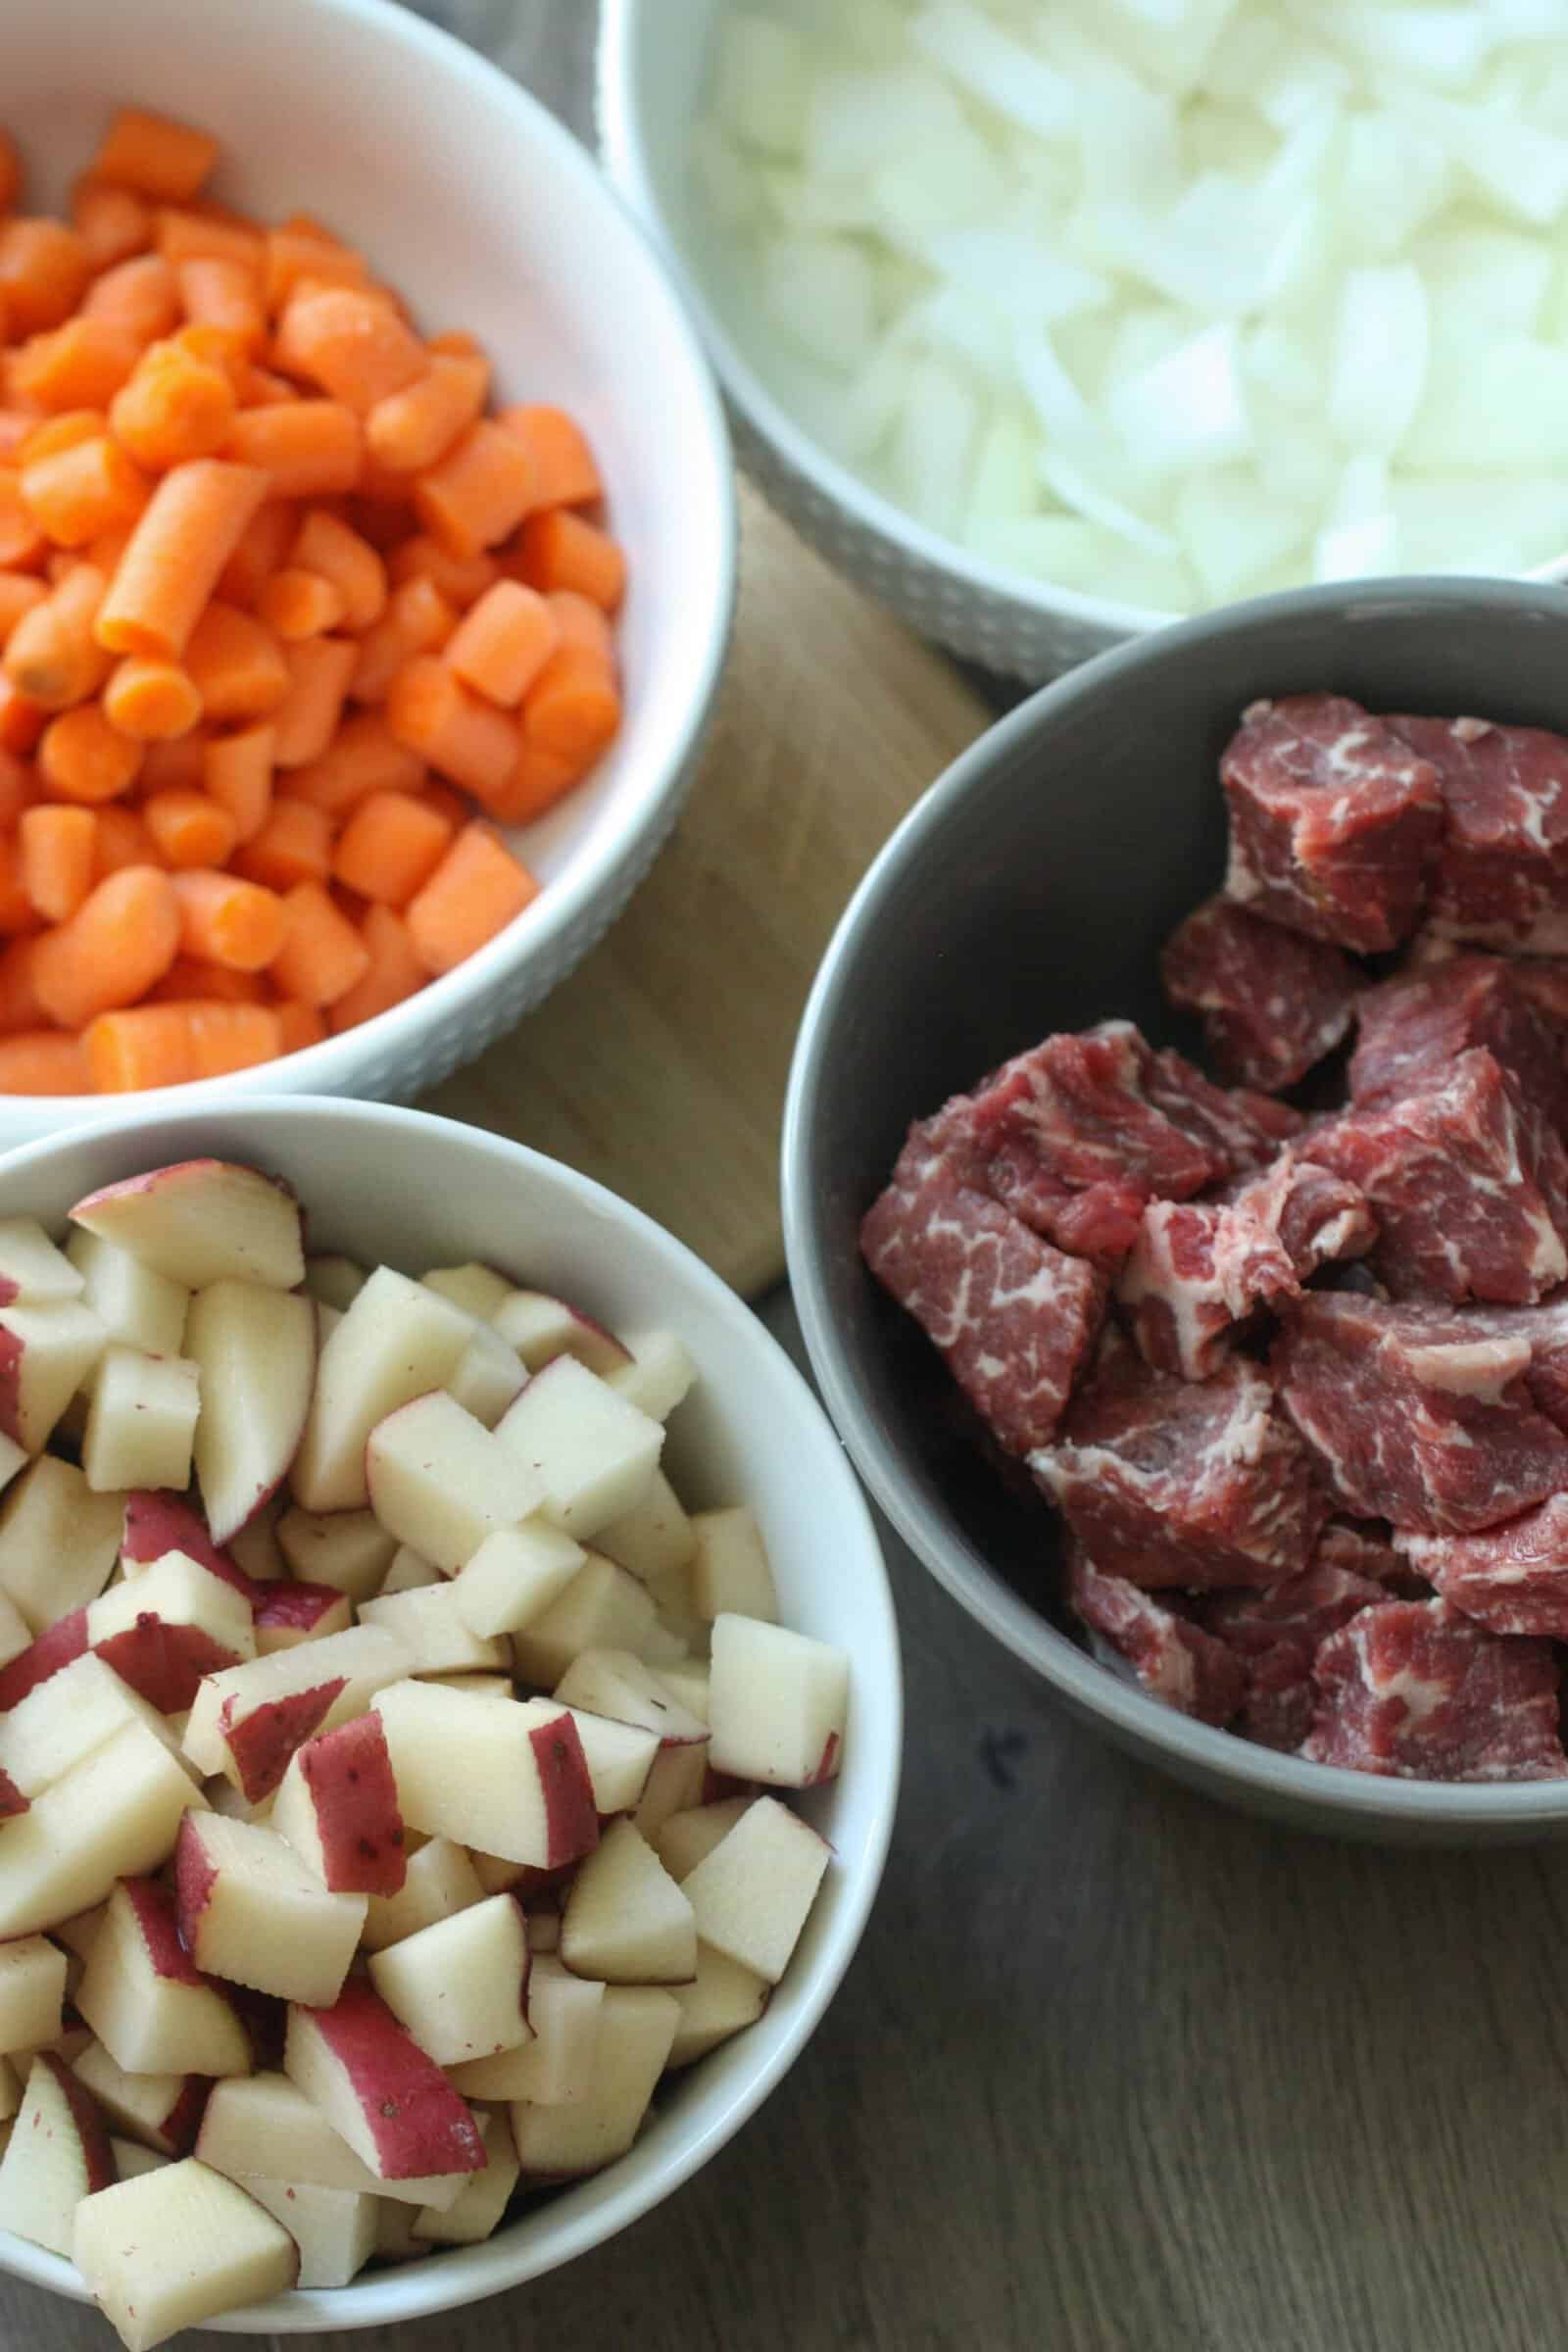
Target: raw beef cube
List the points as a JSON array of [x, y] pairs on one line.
[[1014, 1318], [1272, 1002], [1469, 1186], [1175, 1661], [1415, 1692], [1500, 874], [1275, 1638], [1196, 1270], [1512, 1579], [1332, 821], [1416, 1414], [1240, 1129], [1544, 979], [1081, 1104], [1171, 1482], [1316, 1216], [1369, 1551], [1412, 1030]]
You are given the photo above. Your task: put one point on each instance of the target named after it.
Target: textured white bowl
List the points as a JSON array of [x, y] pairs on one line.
[[487, 215], [416, 1191], [651, 67]]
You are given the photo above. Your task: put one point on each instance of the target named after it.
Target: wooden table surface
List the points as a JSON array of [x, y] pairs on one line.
[[1115, 2071]]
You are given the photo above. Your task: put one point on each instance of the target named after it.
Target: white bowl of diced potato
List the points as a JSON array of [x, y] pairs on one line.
[[363, 1887]]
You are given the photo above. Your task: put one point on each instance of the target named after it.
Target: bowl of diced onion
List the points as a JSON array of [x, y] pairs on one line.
[[1050, 321]]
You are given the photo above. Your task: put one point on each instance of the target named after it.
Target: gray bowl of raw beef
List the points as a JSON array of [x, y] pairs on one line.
[[1216, 1359]]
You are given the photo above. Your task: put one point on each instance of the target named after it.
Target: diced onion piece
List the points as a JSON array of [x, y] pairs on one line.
[[760, 80], [822, 291], [933, 447], [1056, 401], [989, 65], [1075, 490], [1393, 176], [1015, 269], [1380, 360], [1360, 537], [856, 122], [1447, 46], [1190, 408], [1233, 533], [1493, 405]]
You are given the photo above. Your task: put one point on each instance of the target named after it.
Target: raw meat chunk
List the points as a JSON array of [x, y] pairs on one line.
[[1014, 1318], [1500, 874], [1275, 1638], [1240, 1129], [1544, 979], [1333, 818], [1414, 1691], [1196, 1270], [1412, 1030], [1175, 1661], [1511, 1579], [1369, 1551], [1317, 1215], [1170, 1482], [1469, 1186], [1415, 1413], [1272, 1002]]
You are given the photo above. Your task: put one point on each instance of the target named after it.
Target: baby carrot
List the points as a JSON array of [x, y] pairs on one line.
[[573, 708], [236, 664], [300, 1025], [177, 764], [223, 920], [43, 1062], [189, 829], [19, 789], [322, 956], [121, 840], [409, 430], [477, 890], [177, 404], [417, 619], [363, 757], [219, 291], [292, 844], [154, 155], [293, 254], [237, 773], [21, 539], [320, 670], [479, 492], [262, 547], [20, 1008], [121, 940], [502, 643], [226, 1037], [149, 1044], [19, 593], [58, 855], [394, 971], [390, 847], [22, 720], [189, 980], [563, 464], [81, 758], [112, 223], [560, 550], [345, 340], [540, 778], [186, 534], [53, 656], [299, 603], [460, 735], [140, 295], [311, 449], [151, 701], [17, 911], [328, 547], [73, 494], [79, 366], [43, 272]]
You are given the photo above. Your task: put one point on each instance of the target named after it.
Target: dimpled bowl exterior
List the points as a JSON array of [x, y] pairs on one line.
[[751, 1430], [1030, 891], [310, 99], [652, 62]]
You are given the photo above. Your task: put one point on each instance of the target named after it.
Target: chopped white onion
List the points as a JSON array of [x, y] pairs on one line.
[[1380, 357]]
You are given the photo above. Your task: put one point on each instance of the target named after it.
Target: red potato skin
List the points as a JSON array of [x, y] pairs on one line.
[[349, 1775], [176, 2135], [828, 1762], [305, 1611], [55, 1646], [263, 1742], [159, 1922], [185, 1170], [12, 1800], [571, 1819], [11, 1353], [97, 2154], [9, 1290], [194, 1880], [164, 1662], [411, 2109], [157, 1522]]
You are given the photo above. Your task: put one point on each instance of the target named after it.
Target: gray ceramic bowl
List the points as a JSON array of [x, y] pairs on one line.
[[1030, 891]]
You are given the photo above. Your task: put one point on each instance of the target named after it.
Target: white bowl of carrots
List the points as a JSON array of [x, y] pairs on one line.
[[365, 553]]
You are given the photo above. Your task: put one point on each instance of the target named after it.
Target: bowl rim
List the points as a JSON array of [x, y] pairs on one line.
[[442, 1003], [1188, 1748], [459, 2276]]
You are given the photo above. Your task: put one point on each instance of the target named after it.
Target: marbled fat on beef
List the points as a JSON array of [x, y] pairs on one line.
[[1414, 1691], [1014, 1318], [1240, 1129], [1174, 1660], [1412, 1029], [1415, 1413], [1175, 1483], [1271, 1002], [1468, 1183], [1316, 1216], [1332, 821], [1501, 873], [1512, 1579], [1275, 1636], [1196, 1270]]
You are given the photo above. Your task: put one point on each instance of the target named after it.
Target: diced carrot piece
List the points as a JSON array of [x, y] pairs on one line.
[[225, 919], [20, 592], [44, 1062], [583, 624], [53, 656], [363, 757], [190, 235], [177, 406], [390, 846], [299, 603], [456, 343], [154, 155], [328, 547], [296, 254], [262, 547], [299, 1026], [113, 224], [21, 539], [573, 708], [148, 1044], [293, 844], [20, 1008], [151, 701], [311, 449], [10, 171], [81, 758], [419, 618], [16, 425], [117, 944], [561, 550], [189, 980], [395, 972], [81, 365], [232, 1037], [460, 735], [322, 956], [477, 890], [189, 829], [58, 857], [189, 529], [237, 772], [44, 271], [176, 766], [540, 778], [563, 464], [503, 642], [121, 840], [22, 720], [319, 668], [76, 492], [413, 428], [479, 492], [224, 293], [237, 664], [352, 345]]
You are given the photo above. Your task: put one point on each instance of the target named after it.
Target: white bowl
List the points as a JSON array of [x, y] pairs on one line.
[[486, 215], [416, 1190]]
